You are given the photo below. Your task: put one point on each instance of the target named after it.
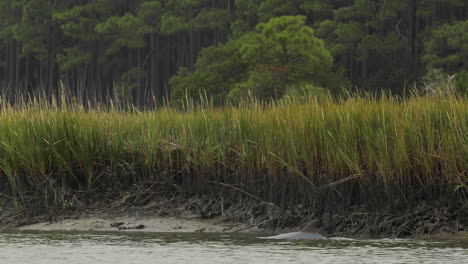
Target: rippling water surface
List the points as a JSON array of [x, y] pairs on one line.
[[128, 248]]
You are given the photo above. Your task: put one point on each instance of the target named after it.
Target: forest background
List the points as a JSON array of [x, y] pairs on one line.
[[151, 50]]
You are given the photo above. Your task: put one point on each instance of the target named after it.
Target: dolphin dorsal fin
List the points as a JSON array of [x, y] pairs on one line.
[[311, 227]]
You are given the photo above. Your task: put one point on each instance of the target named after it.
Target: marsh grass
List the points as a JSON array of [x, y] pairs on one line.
[[325, 154]]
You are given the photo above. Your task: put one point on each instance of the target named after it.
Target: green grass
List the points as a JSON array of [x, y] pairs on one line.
[[359, 151]]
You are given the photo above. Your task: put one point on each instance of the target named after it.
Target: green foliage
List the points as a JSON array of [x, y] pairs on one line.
[[269, 9], [34, 28], [188, 15], [211, 19], [283, 51], [375, 44], [305, 92], [447, 47], [461, 83], [217, 70], [150, 12], [79, 21], [278, 53], [33, 37], [318, 8], [260, 83], [246, 16], [127, 31], [73, 57], [129, 82]]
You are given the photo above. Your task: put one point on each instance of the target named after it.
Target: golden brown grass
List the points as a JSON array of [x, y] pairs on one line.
[[360, 150]]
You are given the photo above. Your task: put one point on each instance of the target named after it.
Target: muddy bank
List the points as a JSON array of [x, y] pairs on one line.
[[162, 215], [235, 213], [134, 223]]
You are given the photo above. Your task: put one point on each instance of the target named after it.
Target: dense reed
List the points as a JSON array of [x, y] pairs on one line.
[[327, 154]]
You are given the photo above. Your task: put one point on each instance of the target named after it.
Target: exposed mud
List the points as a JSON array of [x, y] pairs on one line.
[[234, 213], [134, 224]]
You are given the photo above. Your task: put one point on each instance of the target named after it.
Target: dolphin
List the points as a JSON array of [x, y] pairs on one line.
[[308, 233]]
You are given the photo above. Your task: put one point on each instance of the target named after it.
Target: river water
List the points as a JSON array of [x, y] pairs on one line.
[[133, 248]]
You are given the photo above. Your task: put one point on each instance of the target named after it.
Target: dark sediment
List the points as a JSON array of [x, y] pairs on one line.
[[358, 221]]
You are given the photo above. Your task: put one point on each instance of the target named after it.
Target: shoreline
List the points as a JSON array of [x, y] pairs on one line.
[[155, 224], [161, 224], [185, 214]]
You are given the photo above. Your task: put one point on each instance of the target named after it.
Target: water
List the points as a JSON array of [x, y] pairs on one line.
[[135, 248]]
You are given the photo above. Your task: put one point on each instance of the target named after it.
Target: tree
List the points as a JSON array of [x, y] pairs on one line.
[[96, 48], [447, 48], [217, 71], [84, 54], [192, 17], [280, 52], [269, 9]]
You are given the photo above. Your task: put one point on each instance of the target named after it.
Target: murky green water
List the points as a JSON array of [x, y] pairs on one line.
[[129, 248]]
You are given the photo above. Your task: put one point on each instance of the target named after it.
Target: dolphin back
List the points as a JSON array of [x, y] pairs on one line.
[[298, 236]]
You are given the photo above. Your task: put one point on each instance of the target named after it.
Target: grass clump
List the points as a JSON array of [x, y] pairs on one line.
[[327, 154]]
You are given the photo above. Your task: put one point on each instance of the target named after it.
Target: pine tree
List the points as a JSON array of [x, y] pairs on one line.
[[447, 48]]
